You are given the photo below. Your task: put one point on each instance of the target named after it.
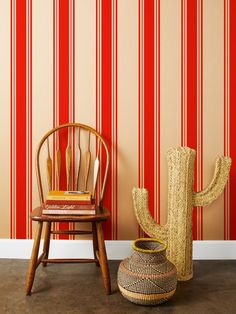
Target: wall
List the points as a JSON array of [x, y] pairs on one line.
[[148, 74]]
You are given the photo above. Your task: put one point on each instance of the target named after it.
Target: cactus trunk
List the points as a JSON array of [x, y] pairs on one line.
[[180, 190], [181, 199]]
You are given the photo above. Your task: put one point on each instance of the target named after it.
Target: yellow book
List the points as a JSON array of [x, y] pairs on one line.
[[69, 195]]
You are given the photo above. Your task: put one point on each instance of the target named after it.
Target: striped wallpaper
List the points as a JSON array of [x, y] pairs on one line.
[[147, 74]]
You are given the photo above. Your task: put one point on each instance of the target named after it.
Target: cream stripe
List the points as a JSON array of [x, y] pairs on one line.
[[213, 118], [85, 62], [42, 80], [128, 115], [100, 63], [5, 118], [227, 115], [156, 113], [99, 80], [114, 160], [184, 72], [28, 116], [141, 118], [71, 93], [85, 74], [199, 112], [141, 92], [70, 60], [170, 89]]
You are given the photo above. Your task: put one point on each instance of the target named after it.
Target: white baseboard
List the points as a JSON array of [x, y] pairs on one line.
[[116, 250]]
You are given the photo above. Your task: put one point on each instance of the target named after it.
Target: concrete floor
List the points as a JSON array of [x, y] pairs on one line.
[[77, 288]]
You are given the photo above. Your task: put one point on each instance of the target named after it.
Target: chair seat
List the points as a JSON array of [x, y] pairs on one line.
[[102, 215]]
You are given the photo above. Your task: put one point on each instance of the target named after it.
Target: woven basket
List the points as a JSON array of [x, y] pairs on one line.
[[147, 277]]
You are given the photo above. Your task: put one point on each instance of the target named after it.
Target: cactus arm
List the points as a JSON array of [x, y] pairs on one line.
[[216, 187], [145, 220]]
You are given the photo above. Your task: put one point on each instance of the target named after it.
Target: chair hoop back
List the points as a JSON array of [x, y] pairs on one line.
[[56, 165]]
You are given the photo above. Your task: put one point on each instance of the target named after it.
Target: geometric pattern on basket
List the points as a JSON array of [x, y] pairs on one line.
[[148, 258], [149, 286], [146, 299], [148, 274]]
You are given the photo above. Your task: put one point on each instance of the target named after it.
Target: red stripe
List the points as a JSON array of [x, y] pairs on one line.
[[63, 90], [201, 170], [192, 89], [149, 100], [21, 119], [107, 99], [11, 129], [139, 100], [30, 122], [232, 118], [159, 113], [116, 148]]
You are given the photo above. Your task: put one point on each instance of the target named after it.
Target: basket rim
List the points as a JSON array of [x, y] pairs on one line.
[[134, 246]]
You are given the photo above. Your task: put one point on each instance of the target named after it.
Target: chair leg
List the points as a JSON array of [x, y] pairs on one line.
[[95, 241], [103, 259], [34, 258], [46, 244]]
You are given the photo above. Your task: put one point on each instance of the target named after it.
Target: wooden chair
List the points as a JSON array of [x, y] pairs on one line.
[[82, 179]]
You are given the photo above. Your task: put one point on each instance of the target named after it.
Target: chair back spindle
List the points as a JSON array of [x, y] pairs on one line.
[[96, 169], [58, 162], [68, 162], [87, 164], [49, 167], [78, 160], [81, 158]]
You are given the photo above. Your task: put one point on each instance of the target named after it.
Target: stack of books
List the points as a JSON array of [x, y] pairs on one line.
[[69, 203]]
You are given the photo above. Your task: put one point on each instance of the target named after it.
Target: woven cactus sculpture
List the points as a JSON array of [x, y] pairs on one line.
[[177, 233]]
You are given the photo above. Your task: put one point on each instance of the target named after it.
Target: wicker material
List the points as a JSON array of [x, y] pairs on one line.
[[147, 277], [181, 199]]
